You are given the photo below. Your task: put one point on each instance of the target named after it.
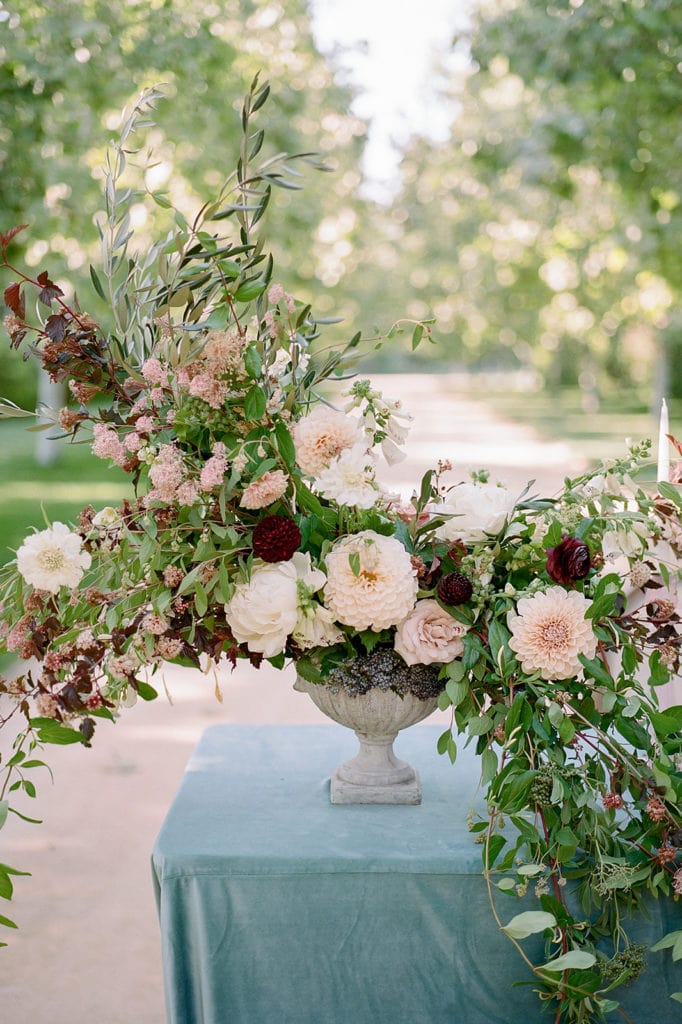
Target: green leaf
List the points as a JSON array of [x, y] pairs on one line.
[[447, 745], [250, 290], [145, 691], [457, 691], [4, 810], [97, 284], [488, 765], [7, 923], [669, 491], [597, 670], [285, 443], [417, 335], [354, 562], [677, 996], [575, 959], [480, 725], [200, 598], [51, 731], [530, 922], [491, 850], [254, 403], [667, 941], [253, 362]]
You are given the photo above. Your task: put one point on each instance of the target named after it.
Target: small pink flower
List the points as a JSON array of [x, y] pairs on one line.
[[133, 442], [264, 491], [209, 390], [153, 372], [47, 706], [107, 445], [144, 425], [188, 492], [166, 475], [213, 473]]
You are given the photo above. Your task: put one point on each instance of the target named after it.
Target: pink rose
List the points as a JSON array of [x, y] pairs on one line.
[[429, 635]]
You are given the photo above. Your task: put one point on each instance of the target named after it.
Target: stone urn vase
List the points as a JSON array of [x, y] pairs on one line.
[[375, 775]]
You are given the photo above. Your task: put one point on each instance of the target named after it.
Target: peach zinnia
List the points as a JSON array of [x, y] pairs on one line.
[[550, 631]]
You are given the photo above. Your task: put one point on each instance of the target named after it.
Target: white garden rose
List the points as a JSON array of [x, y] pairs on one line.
[[429, 635], [263, 612], [473, 511], [52, 559]]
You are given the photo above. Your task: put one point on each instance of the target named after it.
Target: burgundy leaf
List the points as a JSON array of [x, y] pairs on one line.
[[49, 290], [7, 236], [14, 298], [55, 327]]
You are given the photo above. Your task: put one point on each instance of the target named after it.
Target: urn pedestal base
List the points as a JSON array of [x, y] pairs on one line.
[[375, 775]]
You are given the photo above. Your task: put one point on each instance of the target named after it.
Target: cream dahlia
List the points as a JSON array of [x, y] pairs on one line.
[[52, 559], [322, 435], [371, 582], [549, 632], [429, 635], [265, 490]]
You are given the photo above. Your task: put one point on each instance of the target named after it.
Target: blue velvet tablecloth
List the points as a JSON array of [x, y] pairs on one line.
[[278, 908]]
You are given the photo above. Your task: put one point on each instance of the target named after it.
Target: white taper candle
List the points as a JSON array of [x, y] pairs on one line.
[[663, 472]]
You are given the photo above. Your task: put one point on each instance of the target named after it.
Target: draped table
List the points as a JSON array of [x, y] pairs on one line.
[[276, 906]]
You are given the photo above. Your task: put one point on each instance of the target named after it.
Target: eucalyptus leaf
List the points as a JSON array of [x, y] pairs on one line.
[[530, 922]]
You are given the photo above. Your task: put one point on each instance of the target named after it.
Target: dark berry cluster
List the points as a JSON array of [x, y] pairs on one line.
[[384, 669]]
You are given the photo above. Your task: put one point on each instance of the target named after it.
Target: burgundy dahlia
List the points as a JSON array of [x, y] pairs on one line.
[[568, 561], [275, 538], [454, 588]]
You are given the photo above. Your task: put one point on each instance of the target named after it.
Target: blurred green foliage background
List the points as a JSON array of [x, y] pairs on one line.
[[544, 234]]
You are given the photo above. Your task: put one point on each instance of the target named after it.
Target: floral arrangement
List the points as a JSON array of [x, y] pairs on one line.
[[257, 527]]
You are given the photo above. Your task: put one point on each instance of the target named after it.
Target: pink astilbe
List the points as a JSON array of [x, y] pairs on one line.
[[208, 389], [213, 473], [107, 444], [144, 425], [166, 474], [188, 492], [154, 372]]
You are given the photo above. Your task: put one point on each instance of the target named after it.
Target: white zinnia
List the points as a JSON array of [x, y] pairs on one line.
[[263, 612], [349, 479], [383, 589], [322, 435], [429, 635], [473, 511], [549, 632], [52, 559]]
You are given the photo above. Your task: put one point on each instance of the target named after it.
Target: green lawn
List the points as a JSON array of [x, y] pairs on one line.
[[30, 493]]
